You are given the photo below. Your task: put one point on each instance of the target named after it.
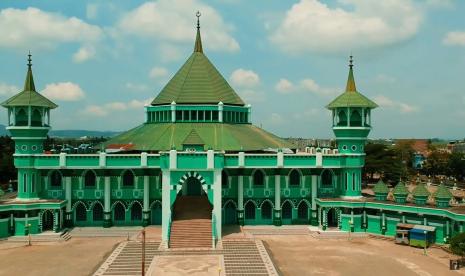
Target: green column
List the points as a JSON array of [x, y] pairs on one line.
[[314, 213], [146, 211], [277, 200], [68, 193], [240, 200]]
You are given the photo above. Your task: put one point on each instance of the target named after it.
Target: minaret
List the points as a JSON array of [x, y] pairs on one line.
[[351, 117], [28, 124]]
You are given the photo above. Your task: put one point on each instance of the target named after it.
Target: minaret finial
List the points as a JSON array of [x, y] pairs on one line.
[[198, 41], [29, 60], [350, 80]]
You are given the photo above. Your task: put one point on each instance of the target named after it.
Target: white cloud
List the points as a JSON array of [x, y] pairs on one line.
[[63, 91], [454, 38], [84, 53], [173, 21], [386, 102], [354, 24], [107, 108], [313, 87], [92, 11], [35, 28], [244, 78], [8, 90], [158, 72], [136, 86], [284, 86], [251, 95]]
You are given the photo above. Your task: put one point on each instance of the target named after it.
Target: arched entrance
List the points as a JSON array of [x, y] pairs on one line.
[[332, 218], [193, 186], [230, 213], [156, 213], [47, 220]]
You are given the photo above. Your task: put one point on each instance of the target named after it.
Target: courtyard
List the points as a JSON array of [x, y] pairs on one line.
[[291, 254]]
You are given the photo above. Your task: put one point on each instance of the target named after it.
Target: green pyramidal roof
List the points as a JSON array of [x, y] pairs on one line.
[[193, 139], [400, 189], [443, 192], [198, 82], [351, 97], [217, 136], [381, 188], [420, 190], [29, 96]]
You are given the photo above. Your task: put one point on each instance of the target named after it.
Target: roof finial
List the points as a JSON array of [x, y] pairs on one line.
[[198, 14], [350, 87], [351, 61], [29, 60], [198, 41]]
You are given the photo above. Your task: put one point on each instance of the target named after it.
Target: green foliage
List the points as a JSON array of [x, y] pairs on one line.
[[7, 169], [437, 163], [457, 244], [383, 161], [456, 165]]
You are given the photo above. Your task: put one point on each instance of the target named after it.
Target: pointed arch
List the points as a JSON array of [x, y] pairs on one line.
[[80, 212], [97, 210], [79, 202], [286, 209], [355, 118], [229, 201], [118, 202], [55, 178], [327, 177], [302, 209], [258, 177], [342, 118], [249, 209], [90, 178], [155, 204], [128, 178], [295, 177], [36, 117], [119, 211], [266, 209], [136, 211]]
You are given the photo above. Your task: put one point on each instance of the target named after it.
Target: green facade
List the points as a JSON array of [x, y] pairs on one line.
[[198, 140]]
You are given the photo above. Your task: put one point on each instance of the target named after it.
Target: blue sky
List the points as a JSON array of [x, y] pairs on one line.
[[101, 61]]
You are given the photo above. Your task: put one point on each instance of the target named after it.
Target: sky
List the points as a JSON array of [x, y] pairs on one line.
[[102, 61]]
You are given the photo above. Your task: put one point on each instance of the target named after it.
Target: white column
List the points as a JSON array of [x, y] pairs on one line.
[[314, 190], [173, 111], [107, 194], [165, 204], [220, 112], [217, 202], [277, 192], [68, 193], [146, 193], [240, 192], [29, 116]]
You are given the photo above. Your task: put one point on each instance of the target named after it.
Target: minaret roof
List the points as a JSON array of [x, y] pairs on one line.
[[198, 82], [351, 97], [29, 96]]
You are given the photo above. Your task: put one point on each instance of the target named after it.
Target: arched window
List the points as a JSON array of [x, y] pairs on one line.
[[128, 179], [294, 178], [249, 210], [89, 179], [36, 119], [302, 210], [258, 178], [355, 118], [97, 212], [55, 179], [366, 118], [136, 212], [119, 212], [21, 118], [224, 179], [342, 118], [287, 210], [326, 178], [81, 212], [266, 210]]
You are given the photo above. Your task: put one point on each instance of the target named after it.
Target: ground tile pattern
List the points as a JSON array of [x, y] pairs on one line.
[[194, 265]]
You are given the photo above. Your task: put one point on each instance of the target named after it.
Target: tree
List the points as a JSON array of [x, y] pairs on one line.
[[457, 244], [437, 163], [456, 165], [404, 150], [383, 161]]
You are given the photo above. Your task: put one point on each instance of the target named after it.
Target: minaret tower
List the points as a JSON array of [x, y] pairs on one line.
[[28, 124], [351, 116]]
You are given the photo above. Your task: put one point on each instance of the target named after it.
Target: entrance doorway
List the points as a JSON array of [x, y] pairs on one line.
[[193, 187], [47, 221], [230, 213], [332, 218]]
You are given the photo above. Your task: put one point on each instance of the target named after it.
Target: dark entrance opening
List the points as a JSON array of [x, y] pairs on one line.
[[47, 221], [332, 218], [230, 213], [193, 187], [156, 214]]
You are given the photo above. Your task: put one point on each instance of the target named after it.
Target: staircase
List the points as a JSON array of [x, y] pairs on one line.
[[191, 225], [48, 236]]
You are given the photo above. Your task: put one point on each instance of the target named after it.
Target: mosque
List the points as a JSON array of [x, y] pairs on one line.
[[197, 163]]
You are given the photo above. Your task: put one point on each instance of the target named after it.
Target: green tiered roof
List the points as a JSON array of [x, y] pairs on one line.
[[443, 192], [29, 96], [351, 97], [420, 190], [381, 188], [217, 136], [400, 189], [198, 82]]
